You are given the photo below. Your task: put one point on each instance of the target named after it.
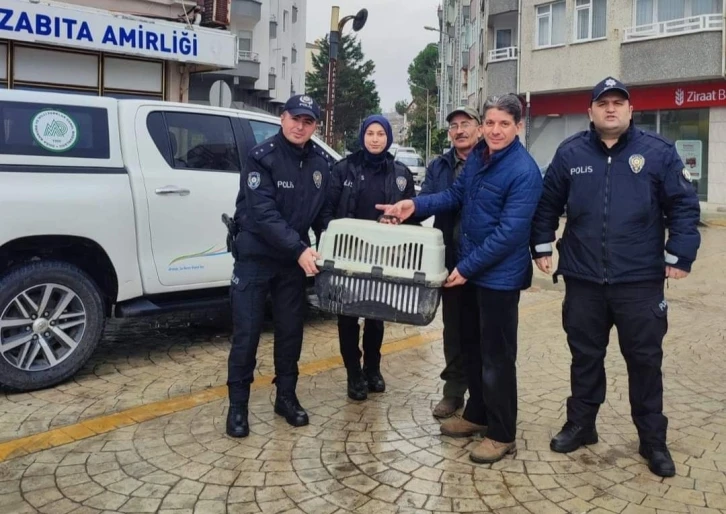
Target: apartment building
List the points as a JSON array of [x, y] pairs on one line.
[[272, 53], [670, 53], [120, 48]]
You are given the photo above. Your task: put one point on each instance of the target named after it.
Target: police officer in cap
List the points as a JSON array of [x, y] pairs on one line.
[[623, 187], [282, 191]]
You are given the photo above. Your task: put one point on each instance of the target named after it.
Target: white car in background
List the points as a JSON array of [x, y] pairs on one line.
[[415, 163]]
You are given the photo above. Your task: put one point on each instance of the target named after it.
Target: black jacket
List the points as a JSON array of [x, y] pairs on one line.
[[282, 192], [440, 177], [620, 201], [348, 180]]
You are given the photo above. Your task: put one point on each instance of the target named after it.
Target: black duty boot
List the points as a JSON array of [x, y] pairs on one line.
[[357, 385], [237, 425], [571, 437], [376, 384], [287, 406], [659, 459]]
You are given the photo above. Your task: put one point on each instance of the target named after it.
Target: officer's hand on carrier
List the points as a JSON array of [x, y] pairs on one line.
[[455, 279], [401, 210], [544, 264], [675, 273], [307, 261]]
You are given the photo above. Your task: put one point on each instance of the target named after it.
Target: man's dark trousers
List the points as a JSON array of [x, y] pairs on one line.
[[639, 312], [252, 281], [349, 333], [490, 344], [454, 374]]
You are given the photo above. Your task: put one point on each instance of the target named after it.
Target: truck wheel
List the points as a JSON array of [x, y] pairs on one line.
[[51, 319]]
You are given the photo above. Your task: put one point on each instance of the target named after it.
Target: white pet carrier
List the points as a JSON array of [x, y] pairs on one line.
[[379, 271]]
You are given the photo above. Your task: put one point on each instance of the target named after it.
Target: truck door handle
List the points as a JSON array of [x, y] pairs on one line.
[[172, 190]]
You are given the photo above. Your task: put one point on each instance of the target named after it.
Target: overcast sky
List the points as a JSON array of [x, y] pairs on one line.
[[392, 37]]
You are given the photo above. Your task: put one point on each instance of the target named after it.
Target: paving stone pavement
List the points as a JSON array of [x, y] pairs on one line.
[[385, 454]]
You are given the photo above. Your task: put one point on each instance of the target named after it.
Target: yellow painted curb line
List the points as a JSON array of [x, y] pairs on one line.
[[103, 424], [135, 415]]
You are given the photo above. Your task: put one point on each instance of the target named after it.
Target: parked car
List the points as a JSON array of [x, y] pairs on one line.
[[404, 149], [415, 163], [111, 208]]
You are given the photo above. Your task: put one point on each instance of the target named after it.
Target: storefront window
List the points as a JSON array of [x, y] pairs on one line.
[[688, 129], [646, 120]]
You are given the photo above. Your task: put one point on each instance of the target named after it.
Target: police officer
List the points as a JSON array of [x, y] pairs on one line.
[[464, 133], [623, 187], [365, 178], [282, 192]]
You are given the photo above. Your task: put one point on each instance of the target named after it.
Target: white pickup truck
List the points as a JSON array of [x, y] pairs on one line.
[[109, 208]]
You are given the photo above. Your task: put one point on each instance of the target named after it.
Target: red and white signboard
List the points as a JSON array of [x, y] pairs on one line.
[[652, 98]]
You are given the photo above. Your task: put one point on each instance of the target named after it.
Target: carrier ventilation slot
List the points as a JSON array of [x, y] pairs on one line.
[[347, 247]]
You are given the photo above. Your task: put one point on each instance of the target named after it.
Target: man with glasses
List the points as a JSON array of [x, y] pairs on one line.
[[464, 133]]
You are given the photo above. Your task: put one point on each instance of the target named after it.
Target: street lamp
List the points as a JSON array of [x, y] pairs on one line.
[[428, 125], [336, 28]]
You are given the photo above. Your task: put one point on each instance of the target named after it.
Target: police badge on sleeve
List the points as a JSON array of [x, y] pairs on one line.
[[318, 179], [253, 180], [401, 183]]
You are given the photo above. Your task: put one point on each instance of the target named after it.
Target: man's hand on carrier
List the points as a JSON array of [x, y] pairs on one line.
[[455, 279], [307, 261], [401, 210]]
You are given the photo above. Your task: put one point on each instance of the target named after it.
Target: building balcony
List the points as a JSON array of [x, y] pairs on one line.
[[247, 9], [664, 50], [502, 6], [670, 28], [501, 77], [502, 54]]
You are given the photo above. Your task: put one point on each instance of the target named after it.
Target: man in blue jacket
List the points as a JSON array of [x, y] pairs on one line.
[[497, 194], [623, 187], [464, 132]]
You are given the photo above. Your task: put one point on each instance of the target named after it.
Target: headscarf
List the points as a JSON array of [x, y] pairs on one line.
[[383, 122]]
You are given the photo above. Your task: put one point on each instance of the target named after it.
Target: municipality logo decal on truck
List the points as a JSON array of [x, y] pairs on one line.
[[54, 130]]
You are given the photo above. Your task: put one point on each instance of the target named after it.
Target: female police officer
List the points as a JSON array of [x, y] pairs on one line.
[[360, 181], [282, 192]]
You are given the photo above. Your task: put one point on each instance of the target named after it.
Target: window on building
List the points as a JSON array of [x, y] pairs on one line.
[[285, 16], [503, 38], [551, 24], [195, 141], [590, 19], [294, 13], [244, 40], [284, 67], [87, 138], [3, 66], [293, 55], [273, 29], [653, 11]]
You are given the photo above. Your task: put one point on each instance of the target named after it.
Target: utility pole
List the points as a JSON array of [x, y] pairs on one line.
[[336, 29]]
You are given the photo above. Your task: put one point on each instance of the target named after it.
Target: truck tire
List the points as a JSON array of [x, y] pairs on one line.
[[51, 320]]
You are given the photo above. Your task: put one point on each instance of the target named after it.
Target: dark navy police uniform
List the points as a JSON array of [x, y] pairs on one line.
[[613, 253], [282, 191]]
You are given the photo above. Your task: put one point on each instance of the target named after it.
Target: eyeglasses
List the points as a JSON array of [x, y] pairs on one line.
[[466, 125]]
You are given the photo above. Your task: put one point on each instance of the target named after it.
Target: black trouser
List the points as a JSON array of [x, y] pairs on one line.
[[454, 374], [349, 334], [639, 312], [251, 283], [491, 319]]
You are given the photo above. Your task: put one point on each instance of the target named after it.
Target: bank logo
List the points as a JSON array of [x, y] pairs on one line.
[[54, 130], [680, 96]]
